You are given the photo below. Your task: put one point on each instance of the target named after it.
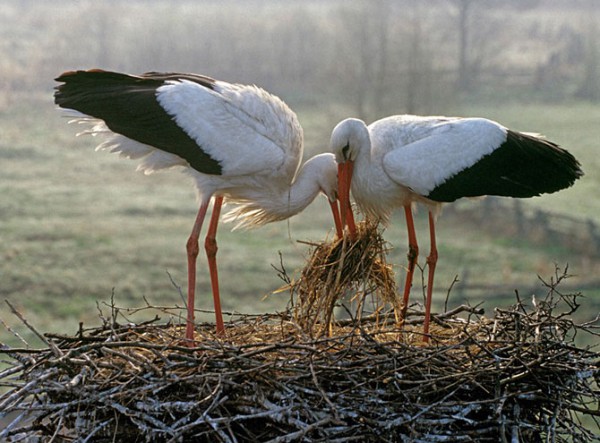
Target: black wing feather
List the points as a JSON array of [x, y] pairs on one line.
[[128, 106], [523, 166]]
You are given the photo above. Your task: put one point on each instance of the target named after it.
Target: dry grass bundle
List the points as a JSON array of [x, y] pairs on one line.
[[340, 268], [516, 377]]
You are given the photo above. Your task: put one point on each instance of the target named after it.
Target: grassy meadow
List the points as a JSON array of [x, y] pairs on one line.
[[79, 227]]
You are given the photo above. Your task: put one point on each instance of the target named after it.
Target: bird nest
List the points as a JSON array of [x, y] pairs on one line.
[[517, 376], [344, 270]]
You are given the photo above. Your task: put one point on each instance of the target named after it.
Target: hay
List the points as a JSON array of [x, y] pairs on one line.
[[518, 376], [344, 268]]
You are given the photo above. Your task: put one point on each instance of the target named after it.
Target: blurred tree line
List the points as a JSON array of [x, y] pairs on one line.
[[377, 57]]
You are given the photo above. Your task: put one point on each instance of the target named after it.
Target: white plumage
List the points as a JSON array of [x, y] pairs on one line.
[[433, 149], [227, 117], [238, 142], [401, 160]]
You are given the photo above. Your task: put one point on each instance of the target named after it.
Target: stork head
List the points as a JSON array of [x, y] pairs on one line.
[[347, 139], [325, 168]]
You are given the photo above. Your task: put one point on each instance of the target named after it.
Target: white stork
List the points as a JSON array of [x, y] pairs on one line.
[[405, 159], [238, 142]]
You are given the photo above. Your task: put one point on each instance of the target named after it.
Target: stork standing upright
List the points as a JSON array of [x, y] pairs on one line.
[[401, 160], [238, 142]]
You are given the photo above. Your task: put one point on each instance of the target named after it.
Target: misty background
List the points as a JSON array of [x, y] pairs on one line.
[[372, 57], [76, 225]]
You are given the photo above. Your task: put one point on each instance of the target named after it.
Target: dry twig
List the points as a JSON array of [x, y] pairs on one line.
[[517, 376]]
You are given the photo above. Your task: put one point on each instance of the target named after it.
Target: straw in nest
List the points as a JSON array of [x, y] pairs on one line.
[[516, 377], [356, 269]]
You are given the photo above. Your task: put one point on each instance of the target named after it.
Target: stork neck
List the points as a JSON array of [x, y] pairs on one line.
[[306, 186], [363, 162], [361, 141], [279, 200]]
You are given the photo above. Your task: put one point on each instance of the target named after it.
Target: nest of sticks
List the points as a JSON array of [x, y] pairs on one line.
[[516, 376]]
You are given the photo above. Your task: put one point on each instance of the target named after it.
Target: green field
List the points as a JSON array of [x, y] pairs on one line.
[[78, 226]]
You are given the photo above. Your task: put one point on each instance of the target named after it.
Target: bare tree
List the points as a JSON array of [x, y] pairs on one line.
[[589, 87], [470, 59], [381, 21], [464, 72], [414, 65], [364, 53]]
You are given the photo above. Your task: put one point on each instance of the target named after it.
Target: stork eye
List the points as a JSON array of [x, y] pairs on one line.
[[345, 150]]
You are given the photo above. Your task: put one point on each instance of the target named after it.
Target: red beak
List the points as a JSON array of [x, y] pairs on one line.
[[344, 182], [335, 210]]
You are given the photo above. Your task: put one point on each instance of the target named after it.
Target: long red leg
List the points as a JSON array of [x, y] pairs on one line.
[[192, 254], [413, 253], [210, 245], [431, 263]]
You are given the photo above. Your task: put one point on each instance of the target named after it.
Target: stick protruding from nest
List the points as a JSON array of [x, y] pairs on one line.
[[516, 376]]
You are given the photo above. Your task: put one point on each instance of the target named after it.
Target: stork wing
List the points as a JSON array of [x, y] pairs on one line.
[[245, 129], [193, 117], [474, 157], [451, 147]]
